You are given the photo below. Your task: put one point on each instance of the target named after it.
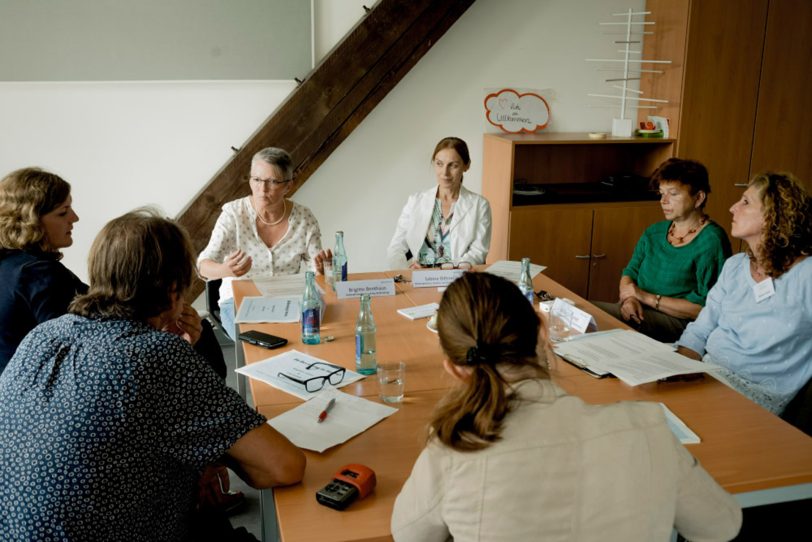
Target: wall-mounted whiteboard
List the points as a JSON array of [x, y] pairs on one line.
[[129, 40]]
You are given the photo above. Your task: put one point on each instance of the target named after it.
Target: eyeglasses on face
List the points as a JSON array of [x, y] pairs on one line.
[[266, 182], [334, 376]]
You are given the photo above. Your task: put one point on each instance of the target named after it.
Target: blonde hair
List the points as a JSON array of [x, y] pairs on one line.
[[26, 195], [787, 232], [486, 325], [136, 263]]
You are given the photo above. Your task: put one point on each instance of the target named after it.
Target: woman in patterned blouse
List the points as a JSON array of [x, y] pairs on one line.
[[263, 234], [108, 416]]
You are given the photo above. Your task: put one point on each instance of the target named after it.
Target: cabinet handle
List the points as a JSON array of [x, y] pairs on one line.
[[599, 256], [582, 256], [741, 185]]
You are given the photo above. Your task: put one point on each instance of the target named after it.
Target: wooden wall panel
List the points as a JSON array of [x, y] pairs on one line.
[[783, 128], [720, 92]]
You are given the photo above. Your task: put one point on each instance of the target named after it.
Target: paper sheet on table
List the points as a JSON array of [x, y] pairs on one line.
[[349, 416], [283, 286], [512, 271], [295, 365], [631, 356], [678, 427], [420, 311], [258, 310]]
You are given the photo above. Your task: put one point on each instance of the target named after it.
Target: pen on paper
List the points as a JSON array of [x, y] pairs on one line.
[[326, 410]]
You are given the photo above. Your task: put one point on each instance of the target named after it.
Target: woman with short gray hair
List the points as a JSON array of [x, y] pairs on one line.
[[262, 235]]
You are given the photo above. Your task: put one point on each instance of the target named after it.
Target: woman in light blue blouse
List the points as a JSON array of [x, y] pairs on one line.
[[756, 327]]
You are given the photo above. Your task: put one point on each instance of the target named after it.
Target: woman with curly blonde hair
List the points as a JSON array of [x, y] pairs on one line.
[[511, 456], [756, 328], [36, 221]]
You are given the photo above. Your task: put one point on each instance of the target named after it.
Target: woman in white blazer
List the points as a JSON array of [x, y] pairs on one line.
[[447, 224]]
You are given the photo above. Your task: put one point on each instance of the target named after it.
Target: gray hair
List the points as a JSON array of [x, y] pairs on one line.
[[276, 157]]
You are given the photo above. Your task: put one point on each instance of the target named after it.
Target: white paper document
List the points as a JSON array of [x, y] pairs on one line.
[[289, 371], [512, 271], [373, 287], [435, 278], [349, 416], [283, 286], [258, 310], [631, 356], [678, 427], [420, 311]]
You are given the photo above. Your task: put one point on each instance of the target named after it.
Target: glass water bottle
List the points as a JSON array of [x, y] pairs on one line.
[[311, 311], [339, 259], [526, 283], [365, 351]]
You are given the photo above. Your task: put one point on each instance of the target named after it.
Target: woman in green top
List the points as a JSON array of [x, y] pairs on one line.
[[676, 261]]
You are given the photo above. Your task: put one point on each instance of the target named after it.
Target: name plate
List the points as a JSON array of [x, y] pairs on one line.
[[373, 287], [577, 319], [435, 278]]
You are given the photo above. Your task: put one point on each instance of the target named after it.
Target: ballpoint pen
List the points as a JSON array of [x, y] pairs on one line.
[[327, 409]]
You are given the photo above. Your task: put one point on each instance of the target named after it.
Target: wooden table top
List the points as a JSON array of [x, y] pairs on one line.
[[744, 447]]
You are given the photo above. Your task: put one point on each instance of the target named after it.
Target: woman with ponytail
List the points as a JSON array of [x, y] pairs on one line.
[[511, 456]]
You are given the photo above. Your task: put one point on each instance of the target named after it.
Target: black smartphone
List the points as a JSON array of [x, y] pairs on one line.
[[265, 340]]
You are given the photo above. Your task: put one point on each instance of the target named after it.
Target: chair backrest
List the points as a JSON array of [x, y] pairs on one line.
[[799, 410], [212, 298]]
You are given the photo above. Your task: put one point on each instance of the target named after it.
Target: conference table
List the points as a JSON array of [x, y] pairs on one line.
[[752, 453]]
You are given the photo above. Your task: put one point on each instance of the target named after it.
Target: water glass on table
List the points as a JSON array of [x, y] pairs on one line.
[[392, 381]]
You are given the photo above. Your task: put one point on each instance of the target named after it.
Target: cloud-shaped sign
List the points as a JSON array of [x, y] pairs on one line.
[[517, 113]]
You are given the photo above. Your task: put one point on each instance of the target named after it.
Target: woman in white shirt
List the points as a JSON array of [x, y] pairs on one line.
[[444, 225], [263, 234], [512, 457]]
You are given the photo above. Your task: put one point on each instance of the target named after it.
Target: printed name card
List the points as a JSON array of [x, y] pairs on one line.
[[373, 287], [435, 278], [577, 319]]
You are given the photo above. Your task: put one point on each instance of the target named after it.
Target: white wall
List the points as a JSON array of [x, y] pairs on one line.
[[175, 136]]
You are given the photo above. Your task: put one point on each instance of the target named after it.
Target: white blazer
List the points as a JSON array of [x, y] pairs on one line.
[[470, 227]]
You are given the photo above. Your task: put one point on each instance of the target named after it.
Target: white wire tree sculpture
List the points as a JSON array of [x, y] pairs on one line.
[[633, 67]]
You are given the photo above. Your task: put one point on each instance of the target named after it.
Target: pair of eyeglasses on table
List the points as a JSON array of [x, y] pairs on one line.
[[316, 383]]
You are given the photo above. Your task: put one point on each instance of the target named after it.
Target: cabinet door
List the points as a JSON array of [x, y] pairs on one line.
[[783, 132], [615, 233], [558, 237]]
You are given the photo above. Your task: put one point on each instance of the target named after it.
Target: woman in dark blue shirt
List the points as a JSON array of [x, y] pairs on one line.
[[36, 221]]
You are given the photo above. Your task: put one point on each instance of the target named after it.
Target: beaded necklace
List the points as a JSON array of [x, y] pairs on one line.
[[678, 240]]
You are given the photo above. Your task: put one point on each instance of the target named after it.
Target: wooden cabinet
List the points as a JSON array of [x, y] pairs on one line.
[[584, 244], [737, 88]]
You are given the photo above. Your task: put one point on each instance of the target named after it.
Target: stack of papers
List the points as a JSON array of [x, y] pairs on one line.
[[420, 311], [512, 271], [678, 427], [295, 365], [349, 416], [282, 286], [631, 356], [257, 310]]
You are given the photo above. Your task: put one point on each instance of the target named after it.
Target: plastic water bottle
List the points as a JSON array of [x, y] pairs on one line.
[[365, 351], [525, 282], [311, 311], [339, 259]]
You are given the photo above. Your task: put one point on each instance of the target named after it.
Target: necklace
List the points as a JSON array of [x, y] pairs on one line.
[[681, 239], [284, 210]]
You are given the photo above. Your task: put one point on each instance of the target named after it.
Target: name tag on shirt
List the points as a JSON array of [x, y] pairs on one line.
[[764, 289]]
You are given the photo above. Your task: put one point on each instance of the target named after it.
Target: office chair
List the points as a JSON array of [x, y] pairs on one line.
[[212, 298], [799, 410]]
